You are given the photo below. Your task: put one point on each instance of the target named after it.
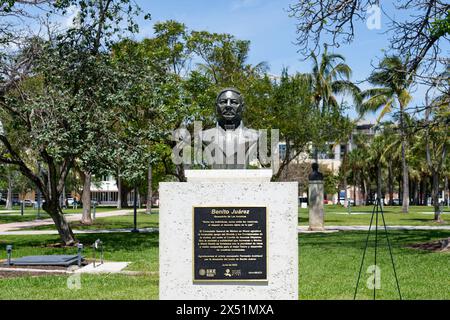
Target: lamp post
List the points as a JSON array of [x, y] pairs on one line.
[[135, 230], [9, 253], [80, 251], [39, 195]]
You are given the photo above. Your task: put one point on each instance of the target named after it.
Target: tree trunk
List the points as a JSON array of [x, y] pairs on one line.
[[65, 232], [419, 191], [416, 192], [180, 173], [422, 191], [148, 209], [435, 195], [405, 188], [446, 192], [405, 174], [345, 194], [86, 199], [9, 195], [390, 184], [64, 196], [366, 191], [425, 193], [360, 186], [124, 190], [379, 196], [344, 169], [119, 190]]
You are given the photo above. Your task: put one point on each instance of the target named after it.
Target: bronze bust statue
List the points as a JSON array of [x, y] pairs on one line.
[[230, 145], [229, 107]]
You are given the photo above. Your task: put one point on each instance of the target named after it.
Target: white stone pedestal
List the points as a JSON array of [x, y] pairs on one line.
[[316, 212], [228, 188]]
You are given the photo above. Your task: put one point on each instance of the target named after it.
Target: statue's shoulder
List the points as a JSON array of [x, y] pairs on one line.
[[209, 134], [250, 134]]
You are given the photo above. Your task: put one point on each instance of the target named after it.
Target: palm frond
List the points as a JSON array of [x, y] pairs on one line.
[[386, 109], [366, 94], [373, 104], [340, 70]]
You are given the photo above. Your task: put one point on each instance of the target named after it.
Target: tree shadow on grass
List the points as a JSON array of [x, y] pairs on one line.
[[13, 219], [302, 220], [357, 239], [113, 243]]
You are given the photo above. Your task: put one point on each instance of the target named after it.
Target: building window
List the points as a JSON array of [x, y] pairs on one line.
[[343, 150], [282, 151]]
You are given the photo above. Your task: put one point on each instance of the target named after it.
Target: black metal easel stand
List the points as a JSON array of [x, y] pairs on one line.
[[377, 210]]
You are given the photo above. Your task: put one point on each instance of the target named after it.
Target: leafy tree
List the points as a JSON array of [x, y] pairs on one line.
[[394, 84], [59, 110], [331, 77], [356, 160], [418, 31], [289, 111], [437, 143], [224, 58]]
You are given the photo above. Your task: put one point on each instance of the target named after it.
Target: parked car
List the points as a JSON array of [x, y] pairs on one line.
[[2, 201], [16, 202], [342, 201], [28, 203], [36, 203], [72, 202]]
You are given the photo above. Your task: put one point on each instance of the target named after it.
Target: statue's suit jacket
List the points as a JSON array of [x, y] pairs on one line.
[[229, 149]]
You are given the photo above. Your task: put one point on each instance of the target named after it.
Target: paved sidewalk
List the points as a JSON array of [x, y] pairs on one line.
[[54, 232], [46, 222], [301, 229], [106, 267], [304, 229]]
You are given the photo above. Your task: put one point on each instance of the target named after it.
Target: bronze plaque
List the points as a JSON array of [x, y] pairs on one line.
[[230, 244]]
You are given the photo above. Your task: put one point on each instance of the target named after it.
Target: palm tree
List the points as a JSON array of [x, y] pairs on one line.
[[360, 166], [393, 89], [437, 145], [331, 78], [355, 166]]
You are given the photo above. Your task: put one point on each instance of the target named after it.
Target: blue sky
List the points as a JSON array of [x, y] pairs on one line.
[[266, 23]]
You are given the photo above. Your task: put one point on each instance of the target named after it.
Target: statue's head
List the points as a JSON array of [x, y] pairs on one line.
[[229, 107]]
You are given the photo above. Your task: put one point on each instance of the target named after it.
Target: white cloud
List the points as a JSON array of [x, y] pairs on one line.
[[244, 4], [70, 19]]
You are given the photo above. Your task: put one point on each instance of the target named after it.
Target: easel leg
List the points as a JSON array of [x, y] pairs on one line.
[[377, 209], [390, 252], [364, 254]]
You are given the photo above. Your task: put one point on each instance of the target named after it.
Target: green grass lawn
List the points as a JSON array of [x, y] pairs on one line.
[[139, 249], [328, 267], [338, 216], [117, 222], [328, 263], [93, 287], [334, 215], [31, 214]]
